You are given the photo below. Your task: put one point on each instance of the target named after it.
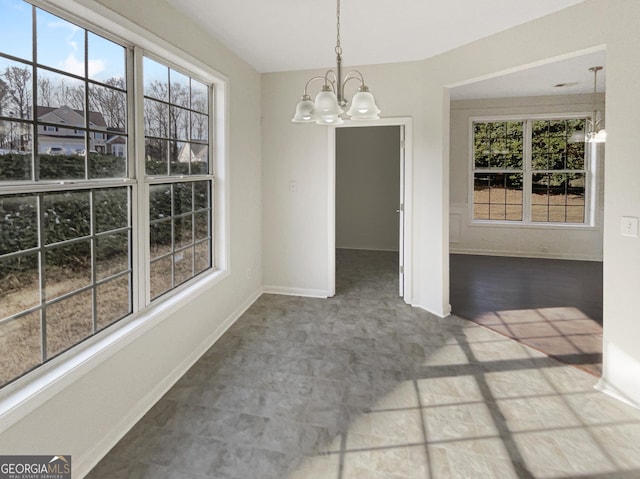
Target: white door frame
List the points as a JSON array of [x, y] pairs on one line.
[[406, 187]]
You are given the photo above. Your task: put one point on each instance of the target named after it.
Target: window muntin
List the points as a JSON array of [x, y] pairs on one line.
[[529, 171], [67, 252]]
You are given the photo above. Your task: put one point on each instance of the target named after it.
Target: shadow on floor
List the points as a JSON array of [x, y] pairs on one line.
[[365, 386], [554, 306]]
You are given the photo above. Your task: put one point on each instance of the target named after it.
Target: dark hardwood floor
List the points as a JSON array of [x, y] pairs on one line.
[[554, 306]]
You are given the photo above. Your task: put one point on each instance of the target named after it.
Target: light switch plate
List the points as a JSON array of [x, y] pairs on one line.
[[629, 226]]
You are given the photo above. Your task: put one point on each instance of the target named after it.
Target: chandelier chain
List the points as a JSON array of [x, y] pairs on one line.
[[338, 46]]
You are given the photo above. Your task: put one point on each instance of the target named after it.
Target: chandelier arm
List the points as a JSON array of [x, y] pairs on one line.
[[351, 76], [306, 86]]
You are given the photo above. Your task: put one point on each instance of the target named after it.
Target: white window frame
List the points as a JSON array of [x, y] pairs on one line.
[[590, 172], [27, 393]]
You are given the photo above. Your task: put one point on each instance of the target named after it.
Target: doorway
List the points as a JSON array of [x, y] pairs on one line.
[[369, 192]]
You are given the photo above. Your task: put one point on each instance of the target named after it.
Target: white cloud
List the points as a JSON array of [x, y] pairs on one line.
[[72, 65]]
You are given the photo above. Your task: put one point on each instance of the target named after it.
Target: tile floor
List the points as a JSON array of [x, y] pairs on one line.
[[365, 386]]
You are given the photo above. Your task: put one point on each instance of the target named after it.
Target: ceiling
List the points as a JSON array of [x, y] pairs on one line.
[[287, 35], [569, 76]]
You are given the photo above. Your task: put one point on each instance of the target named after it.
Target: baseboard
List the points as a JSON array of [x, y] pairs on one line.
[[603, 386], [620, 373], [363, 248], [523, 254], [285, 291], [82, 466]]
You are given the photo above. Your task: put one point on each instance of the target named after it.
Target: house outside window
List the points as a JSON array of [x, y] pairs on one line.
[[530, 171], [69, 263]]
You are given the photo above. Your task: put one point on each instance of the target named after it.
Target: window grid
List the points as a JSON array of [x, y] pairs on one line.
[[73, 272], [529, 171]]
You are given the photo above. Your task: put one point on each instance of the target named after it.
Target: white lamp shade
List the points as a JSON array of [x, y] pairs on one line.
[[363, 107], [578, 136], [599, 136], [304, 112], [326, 104], [329, 120]]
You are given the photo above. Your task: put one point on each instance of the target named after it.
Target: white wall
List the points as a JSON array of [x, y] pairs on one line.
[[89, 413], [295, 232], [511, 240], [368, 188]]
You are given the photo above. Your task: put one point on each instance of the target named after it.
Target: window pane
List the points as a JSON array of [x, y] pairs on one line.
[[558, 197], [201, 226], [159, 201], [66, 216], [199, 159], [19, 98], [104, 165], [68, 322], [16, 140], [16, 29], [199, 127], [156, 79], [179, 155], [183, 265], [108, 107], [552, 146], [112, 209], [68, 268], [156, 156], [60, 99], [161, 276], [156, 119], [18, 223], [19, 284], [498, 196], [199, 97], [179, 89], [202, 256], [201, 194], [160, 238], [113, 301], [182, 198], [498, 145], [106, 61], [179, 123], [183, 231], [20, 343], [58, 163], [112, 254], [60, 43]]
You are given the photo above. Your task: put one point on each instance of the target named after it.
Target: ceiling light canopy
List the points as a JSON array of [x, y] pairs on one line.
[[329, 104]]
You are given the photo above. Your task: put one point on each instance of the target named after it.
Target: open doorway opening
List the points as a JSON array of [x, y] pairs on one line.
[[526, 207], [369, 200]]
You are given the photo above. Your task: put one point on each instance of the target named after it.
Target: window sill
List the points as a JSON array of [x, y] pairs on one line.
[[25, 395], [541, 226]]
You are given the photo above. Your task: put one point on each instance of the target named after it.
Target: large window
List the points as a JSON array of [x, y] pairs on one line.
[[176, 123], [530, 171], [71, 206]]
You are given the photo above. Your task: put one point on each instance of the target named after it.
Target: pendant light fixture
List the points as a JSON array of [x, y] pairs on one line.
[[595, 132], [329, 104]]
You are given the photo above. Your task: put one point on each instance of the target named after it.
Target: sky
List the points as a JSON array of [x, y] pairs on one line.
[[61, 44]]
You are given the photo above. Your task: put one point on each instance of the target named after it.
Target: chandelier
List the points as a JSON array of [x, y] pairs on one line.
[[329, 104], [595, 132]]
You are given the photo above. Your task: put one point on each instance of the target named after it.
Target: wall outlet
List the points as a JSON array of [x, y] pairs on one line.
[[293, 186], [629, 226]]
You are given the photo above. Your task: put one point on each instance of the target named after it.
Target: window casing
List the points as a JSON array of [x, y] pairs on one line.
[[71, 206], [533, 170]]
